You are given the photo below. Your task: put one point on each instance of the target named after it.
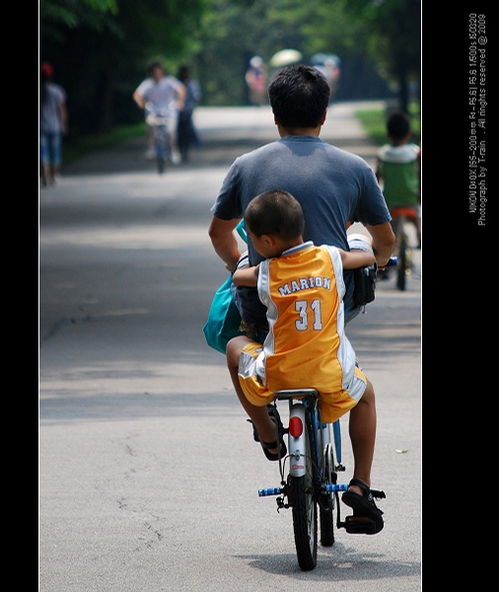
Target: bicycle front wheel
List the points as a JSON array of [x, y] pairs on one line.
[[304, 509], [402, 264]]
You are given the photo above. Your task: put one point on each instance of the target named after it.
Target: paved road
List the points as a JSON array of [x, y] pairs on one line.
[[148, 472]]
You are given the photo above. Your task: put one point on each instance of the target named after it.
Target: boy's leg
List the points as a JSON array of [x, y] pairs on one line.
[[265, 426], [362, 431]]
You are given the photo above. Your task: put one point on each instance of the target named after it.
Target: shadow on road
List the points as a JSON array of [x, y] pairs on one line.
[[341, 564]]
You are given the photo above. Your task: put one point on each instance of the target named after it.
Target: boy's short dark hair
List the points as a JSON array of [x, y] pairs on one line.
[[398, 126], [299, 96], [275, 212]]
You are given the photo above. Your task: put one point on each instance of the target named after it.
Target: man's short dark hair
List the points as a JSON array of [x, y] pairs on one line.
[[299, 96], [275, 212], [398, 126], [153, 65]]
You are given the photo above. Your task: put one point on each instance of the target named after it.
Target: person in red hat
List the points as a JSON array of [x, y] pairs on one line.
[[53, 124]]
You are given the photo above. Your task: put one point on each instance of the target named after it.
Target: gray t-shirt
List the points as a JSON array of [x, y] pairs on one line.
[[50, 113], [332, 186]]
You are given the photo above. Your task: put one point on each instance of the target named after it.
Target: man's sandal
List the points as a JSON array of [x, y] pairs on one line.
[[366, 517]]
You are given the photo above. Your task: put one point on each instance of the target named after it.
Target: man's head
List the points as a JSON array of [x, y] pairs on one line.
[[156, 70], [299, 96], [274, 221], [398, 127]]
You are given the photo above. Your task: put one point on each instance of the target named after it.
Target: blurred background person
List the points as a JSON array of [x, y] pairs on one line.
[[53, 123], [186, 132], [165, 94], [256, 79], [329, 66]]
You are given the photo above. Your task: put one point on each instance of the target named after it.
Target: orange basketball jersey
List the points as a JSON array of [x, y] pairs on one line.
[[306, 345]]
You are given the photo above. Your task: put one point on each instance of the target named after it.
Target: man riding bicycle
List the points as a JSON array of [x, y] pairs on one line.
[[333, 187], [166, 95]]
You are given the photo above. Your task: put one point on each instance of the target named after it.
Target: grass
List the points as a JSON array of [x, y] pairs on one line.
[[82, 145], [373, 122]]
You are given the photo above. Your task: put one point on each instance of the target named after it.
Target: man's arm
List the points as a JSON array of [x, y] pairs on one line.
[[224, 242], [139, 99], [181, 96], [383, 242], [63, 112]]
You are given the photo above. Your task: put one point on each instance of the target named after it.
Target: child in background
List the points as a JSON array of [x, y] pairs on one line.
[[398, 170]]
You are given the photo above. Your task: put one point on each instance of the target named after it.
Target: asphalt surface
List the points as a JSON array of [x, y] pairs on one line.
[[148, 471]]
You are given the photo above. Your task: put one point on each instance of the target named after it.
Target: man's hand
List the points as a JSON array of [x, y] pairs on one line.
[[383, 242]]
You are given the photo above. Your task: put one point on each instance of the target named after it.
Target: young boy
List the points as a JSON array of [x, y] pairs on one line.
[[302, 287], [398, 169]]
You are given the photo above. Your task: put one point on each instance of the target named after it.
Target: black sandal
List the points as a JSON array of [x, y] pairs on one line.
[[272, 411], [274, 455], [366, 517]]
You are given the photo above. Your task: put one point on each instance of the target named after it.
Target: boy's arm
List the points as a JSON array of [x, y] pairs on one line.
[[356, 258], [246, 276]]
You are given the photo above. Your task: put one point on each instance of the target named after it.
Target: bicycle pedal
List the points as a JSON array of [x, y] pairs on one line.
[[359, 525]]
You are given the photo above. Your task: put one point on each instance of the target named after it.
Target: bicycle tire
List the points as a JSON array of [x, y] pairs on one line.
[[326, 504], [304, 509], [402, 264], [160, 163]]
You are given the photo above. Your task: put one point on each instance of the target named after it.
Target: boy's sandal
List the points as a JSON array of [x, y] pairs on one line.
[[366, 517], [273, 455], [272, 411]]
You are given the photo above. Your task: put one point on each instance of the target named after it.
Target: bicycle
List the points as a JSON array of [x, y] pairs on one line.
[[404, 246], [159, 120], [314, 454]]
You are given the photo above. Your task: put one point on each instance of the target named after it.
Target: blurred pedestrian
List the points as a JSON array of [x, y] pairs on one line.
[[256, 79], [165, 94], [53, 124], [186, 132]]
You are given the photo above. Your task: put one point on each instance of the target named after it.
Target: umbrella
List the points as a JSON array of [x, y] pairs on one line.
[[285, 57]]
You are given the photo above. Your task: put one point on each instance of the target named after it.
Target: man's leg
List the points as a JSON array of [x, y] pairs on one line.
[[265, 426], [362, 431]]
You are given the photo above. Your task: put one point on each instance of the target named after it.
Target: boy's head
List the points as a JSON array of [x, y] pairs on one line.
[[299, 96], [398, 127], [274, 220]]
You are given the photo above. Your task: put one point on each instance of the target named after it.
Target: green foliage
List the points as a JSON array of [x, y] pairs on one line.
[[100, 50], [373, 122]]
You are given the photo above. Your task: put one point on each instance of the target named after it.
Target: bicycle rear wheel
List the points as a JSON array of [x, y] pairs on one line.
[[304, 508]]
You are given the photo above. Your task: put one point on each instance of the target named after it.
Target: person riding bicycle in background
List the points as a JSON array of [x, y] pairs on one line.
[[399, 171], [302, 288], [166, 94]]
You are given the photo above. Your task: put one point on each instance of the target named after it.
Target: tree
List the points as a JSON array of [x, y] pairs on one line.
[[394, 38], [100, 49]]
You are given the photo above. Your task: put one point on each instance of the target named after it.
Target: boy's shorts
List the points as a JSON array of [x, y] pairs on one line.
[[331, 405]]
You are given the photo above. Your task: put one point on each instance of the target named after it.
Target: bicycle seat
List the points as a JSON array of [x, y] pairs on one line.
[[294, 393]]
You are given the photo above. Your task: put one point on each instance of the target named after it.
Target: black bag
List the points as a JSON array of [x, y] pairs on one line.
[[364, 284]]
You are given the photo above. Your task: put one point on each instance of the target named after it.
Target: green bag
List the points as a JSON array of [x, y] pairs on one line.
[[223, 317]]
